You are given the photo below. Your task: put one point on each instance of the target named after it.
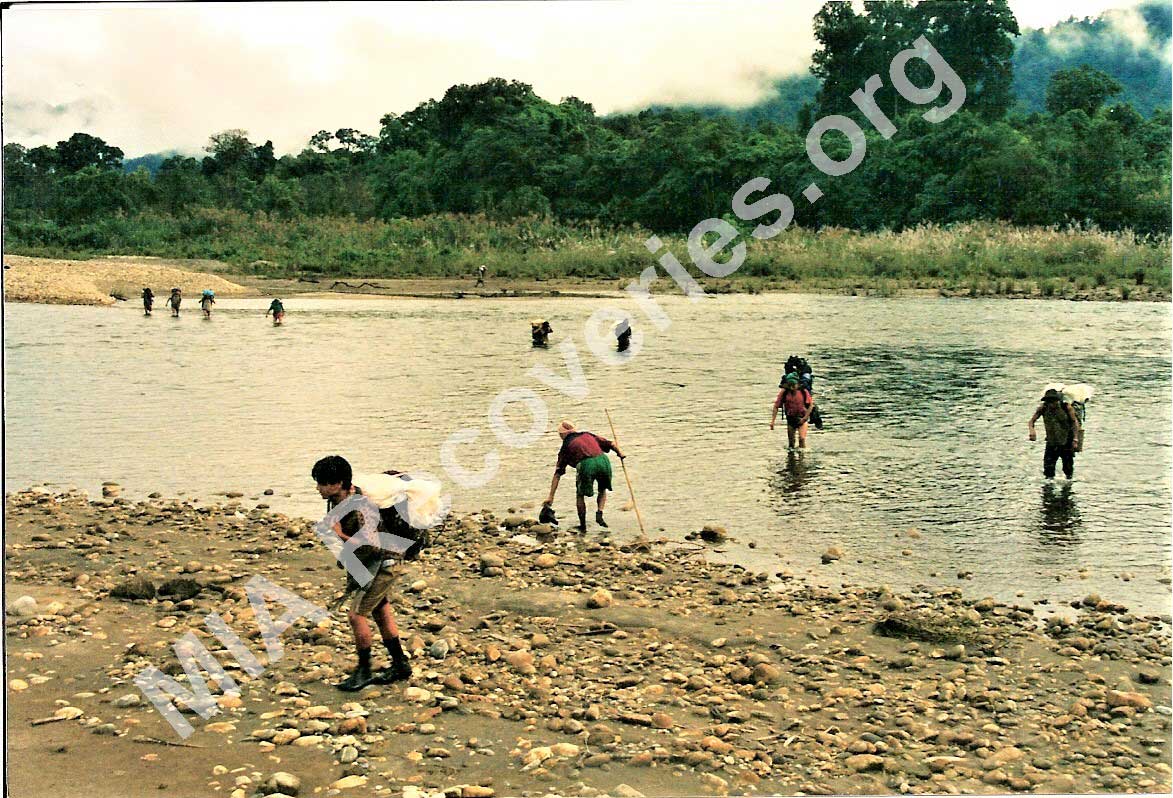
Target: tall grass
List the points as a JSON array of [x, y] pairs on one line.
[[978, 257]]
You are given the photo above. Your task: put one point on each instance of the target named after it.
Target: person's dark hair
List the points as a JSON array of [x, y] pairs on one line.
[[332, 469]]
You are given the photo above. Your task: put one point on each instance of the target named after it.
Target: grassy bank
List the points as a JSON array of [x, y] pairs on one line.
[[975, 258]]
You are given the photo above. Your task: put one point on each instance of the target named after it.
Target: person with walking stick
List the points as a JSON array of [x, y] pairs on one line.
[[585, 452]]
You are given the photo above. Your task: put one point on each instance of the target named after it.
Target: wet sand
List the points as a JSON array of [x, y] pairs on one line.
[[549, 662]]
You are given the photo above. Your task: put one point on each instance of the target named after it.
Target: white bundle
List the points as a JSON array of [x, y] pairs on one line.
[[425, 505]]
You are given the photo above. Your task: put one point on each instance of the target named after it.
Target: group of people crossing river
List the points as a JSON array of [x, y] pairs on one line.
[[207, 300]]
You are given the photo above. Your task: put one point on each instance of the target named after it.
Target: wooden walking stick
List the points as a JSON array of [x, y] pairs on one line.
[[635, 506]]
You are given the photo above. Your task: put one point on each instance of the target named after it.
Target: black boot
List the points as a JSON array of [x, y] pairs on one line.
[[362, 674], [395, 672], [399, 670], [582, 521], [599, 519]]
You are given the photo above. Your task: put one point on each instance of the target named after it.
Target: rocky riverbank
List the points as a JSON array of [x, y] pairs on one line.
[[552, 663]]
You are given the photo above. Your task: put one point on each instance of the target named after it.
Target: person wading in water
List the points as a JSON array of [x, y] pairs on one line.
[[585, 453], [797, 403], [1064, 433]]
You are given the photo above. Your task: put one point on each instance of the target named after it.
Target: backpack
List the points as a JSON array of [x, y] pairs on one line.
[[798, 365], [409, 507]]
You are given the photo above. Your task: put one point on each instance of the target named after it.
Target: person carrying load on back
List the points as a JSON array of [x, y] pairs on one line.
[[174, 301], [796, 402], [333, 476], [278, 311], [540, 330], [206, 301], [148, 301], [1064, 432], [806, 379], [480, 275], [585, 452], [623, 335]]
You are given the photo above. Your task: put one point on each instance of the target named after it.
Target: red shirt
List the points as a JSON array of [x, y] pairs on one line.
[[578, 446], [795, 402]]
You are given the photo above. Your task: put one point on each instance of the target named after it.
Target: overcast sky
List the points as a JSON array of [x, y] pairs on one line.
[[152, 77]]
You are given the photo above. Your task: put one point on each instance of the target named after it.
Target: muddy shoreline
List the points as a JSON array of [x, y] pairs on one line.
[[552, 662]]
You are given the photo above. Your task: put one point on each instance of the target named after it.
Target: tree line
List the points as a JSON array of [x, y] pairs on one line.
[[496, 148]]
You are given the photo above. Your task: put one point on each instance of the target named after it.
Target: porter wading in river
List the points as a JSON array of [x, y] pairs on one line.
[[1063, 429], [585, 452], [333, 476], [278, 311], [797, 403], [540, 330], [148, 301]]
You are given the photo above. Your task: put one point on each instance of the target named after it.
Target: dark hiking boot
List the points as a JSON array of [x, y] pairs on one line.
[[396, 672], [599, 519], [357, 680]]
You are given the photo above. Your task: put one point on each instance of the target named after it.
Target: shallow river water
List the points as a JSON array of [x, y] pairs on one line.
[[925, 401]]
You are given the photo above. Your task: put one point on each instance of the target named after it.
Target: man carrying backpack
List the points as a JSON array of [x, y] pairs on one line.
[[796, 402], [1064, 433], [333, 475]]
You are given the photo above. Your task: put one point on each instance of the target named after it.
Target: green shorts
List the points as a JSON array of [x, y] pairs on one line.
[[592, 470]]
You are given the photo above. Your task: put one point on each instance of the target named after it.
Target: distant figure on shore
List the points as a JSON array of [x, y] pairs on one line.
[[148, 301], [796, 403], [623, 335], [1064, 433], [540, 330], [278, 311], [174, 301], [585, 453], [333, 476], [480, 275], [206, 301]]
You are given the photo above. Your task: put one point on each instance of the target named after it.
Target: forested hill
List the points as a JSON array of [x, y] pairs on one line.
[[498, 149], [1135, 55], [1130, 45]]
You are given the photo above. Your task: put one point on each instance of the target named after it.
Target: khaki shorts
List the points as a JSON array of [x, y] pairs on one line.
[[364, 600]]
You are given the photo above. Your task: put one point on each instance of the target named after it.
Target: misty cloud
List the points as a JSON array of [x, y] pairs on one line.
[[150, 78]]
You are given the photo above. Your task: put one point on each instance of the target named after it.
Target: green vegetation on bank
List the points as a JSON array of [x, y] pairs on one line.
[[977, 257], [494, 173]]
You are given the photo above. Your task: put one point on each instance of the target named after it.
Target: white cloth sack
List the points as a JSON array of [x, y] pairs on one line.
[[425, 506]]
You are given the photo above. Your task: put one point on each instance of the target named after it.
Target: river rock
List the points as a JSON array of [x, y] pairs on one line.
[[831, 555], [349, 782], [713, 534], [1117, 698], [599, 599], [24, 607], [180, 589], [138, 587], [283, 783], [861, 763]]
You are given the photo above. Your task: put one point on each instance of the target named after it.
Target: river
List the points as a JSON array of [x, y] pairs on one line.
[[925, 402]]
